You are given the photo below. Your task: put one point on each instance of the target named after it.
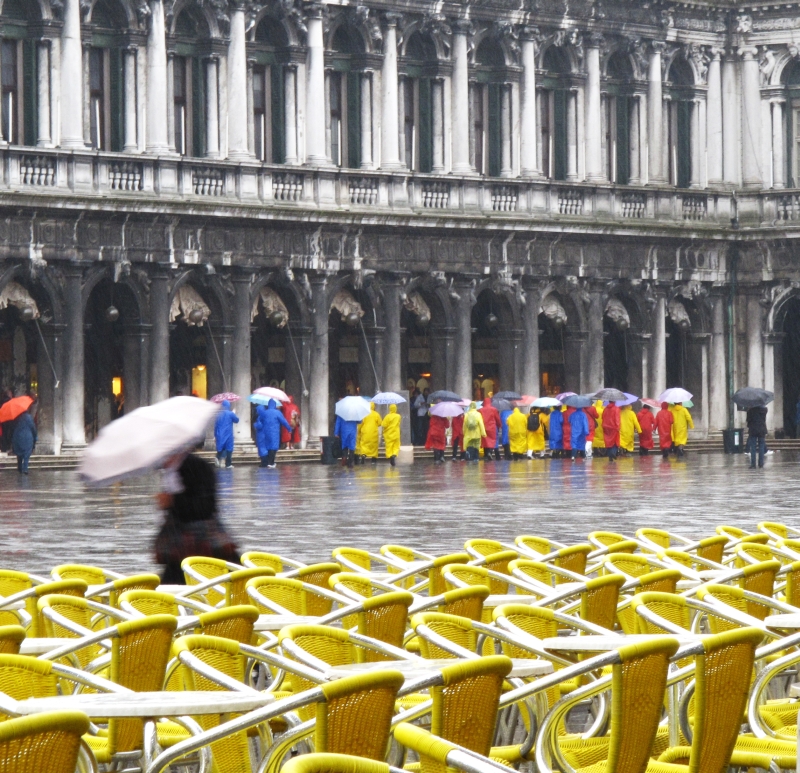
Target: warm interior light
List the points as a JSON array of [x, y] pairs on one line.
[[425, 375], [200, 382], [116, 386], [201, 368]]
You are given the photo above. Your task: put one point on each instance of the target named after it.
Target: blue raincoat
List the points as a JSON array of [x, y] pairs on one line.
[[346, 432], [24, 438], [556, 430], [223, 428], [579, 426], [504, 431], [268, 428]]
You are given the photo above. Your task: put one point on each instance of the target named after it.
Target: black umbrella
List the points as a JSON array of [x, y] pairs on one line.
[[507, 396], [443, 396], [752, 397], [578, 401], [609, 394], [500, 404]]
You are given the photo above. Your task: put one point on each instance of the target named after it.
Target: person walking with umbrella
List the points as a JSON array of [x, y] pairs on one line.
[[492, 430], [648, 423], [556, 428], [535, 433], [457, 436], [628, 426], [755, 402], [292, 414], [370, 427], [517, 424], [664, 422], [680, 428], [595, 412], [223, 433], [268, 432], [437, 437], [391, 434], [23, 440], [579, 429], [611, 425], [474, 432]]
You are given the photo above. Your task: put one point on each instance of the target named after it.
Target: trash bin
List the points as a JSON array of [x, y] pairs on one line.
[[326, 455], [733, 441]]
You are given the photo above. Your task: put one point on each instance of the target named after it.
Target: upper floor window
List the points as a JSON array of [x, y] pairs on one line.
[[422, 106], [680, 79], [18, 108], [343, 98], [269, 91], [555, 100], [104, 78], [490, 125], [617, 116]]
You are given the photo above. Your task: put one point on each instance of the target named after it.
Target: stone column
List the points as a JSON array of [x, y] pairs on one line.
[[43, 138], [50, 413], [730, 122], [134, 368], [751, 119], [714, 118], [241, 365], [74, 434], [595, 356], [129, 116], [301, 335], [319, 424], [392, 309], [506, 135], [572, 135], [157, 129], [159, 337], [366, 120], [390, 121], [212, 108], [635, 141], [594, 143], [718, 377], [463, 380], [778, 153], [72, 80], [290, 117], [460, 99], [315, 105], [657, 174], [237, 86], [773, 378], [658, 348], [531, 376], [697, 142], [437, 125], [529, 130], [755, 344]]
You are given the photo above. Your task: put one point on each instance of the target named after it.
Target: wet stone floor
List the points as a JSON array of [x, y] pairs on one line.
[[306, 510]]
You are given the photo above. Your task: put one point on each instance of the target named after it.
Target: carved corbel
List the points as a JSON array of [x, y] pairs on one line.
[[698, 56], [766, 64], [369, 21], [508, 34]]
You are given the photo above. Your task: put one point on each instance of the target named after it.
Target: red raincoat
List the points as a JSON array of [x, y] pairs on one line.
[[491, 422], [566, 442], [611, 425], [458, 431], [436, 439], [664, 421], [591, 417], [648, 423], [292, 414]]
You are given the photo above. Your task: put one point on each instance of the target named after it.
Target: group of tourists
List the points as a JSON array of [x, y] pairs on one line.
[[605, 430], [360, 440]]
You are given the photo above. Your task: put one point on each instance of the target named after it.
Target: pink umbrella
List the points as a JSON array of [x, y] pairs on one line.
[[563, 395], [273, 393], [525, 400], [447, 410], [231, 397], [652, 403]]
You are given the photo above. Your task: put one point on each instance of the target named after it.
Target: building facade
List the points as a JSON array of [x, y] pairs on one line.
[[209, 195]]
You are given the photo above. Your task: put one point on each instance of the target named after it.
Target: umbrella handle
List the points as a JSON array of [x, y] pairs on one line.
[[47, 352]]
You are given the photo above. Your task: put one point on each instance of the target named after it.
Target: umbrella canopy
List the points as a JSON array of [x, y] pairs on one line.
[[16, 406], [578, 401], [231, 397], [507, 396], [748, 397], [526, 400], [388, 398], [609, 394], [564, 395], [271, 393], [675, 395], [447, 410], [629, 400], [353, 408], [546, 402], [144, 439], [502, 405], [651, 403], [443, 396]]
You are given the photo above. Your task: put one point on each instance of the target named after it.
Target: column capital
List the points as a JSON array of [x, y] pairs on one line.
[[529, 32], [392, 18], [658, 47], [747, 53], [314, 10], [462, 27], [716, 53], [595, 40]]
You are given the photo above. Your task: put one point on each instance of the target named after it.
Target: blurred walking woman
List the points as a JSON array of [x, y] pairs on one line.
[[23, 441]]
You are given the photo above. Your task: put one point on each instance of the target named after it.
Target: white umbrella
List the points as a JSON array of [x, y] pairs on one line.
[[388, 398], [271, 393], [144, 439], [353, 408], [546, 402], [447, 410], [674, 395]]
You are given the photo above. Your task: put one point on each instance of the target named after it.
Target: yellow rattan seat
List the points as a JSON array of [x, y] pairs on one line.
[[255, 559], [46, 743], [11, 637], [480, 548], [234, 623], [319, 762]]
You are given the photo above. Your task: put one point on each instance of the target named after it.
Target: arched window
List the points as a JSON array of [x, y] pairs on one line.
[[343, 126], [18, 76], [104, 77], [269, 90], [490, 111], [421, 106], [556, 100], [791, 79], [617, 117], [680, 81]]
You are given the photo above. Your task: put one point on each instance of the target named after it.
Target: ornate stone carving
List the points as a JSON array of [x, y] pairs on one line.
[[744, 23], [289, 10], [766, 64], [507, 33], [668, 18], [698, 56], [369, 21]]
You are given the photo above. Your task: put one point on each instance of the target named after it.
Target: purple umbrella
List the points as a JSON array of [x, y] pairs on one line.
[[629, 400], [231, 397], [447, 410]]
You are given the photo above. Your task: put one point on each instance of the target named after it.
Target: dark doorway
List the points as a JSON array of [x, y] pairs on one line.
[[615, 355], [791, 365], [551, 356], [676, 355]]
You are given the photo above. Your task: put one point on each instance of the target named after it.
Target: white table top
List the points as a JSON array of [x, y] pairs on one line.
[[267, 622], [592, 643], [787, 622], [34, 646], [148, 704], [498, 599], [412, 669], [794, 690]]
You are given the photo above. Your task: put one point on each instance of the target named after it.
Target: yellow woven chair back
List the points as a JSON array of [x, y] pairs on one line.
[[357, 583], [235, 623], [134, 582], [319, 575], [773, 529], [573, 559], [75, 588], [759, 578], [235, 585], [42, 742], [712, 548], [662, 581], [668, 606], [75, 610], [150, 602], [657, 536], [11, 637], [629, 565], [755, 552], [333, 763], [385, 618], [12, 582], [483, 547], [685, 559], [498, 562], [626, 546], [537, 544], [727, 594], [732, 532], [599, 600], [399, 551], [436, 584], [356, 715], [91, 575], [230, 754], [792, 589], [258, 559], [353, 556], [23, 677], [465, 602], [606, 538], [208, 568], [455, 629], [459, 575], [284, 591], [536, 570]]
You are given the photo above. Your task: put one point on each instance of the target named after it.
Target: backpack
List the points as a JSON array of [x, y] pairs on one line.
[[471, 422], [533, 422]]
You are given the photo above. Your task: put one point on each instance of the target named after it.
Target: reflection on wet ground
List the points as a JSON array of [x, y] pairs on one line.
[[306, 510]]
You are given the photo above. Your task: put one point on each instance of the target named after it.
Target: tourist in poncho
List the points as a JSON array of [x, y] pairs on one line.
[[492, 427], [370, 426], [648, 423], [611, 425], [437, 437], [223, 433], [268, 432], [664, 422], [391, 434]]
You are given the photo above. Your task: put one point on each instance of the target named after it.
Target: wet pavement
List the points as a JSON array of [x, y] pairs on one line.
[[306, 510]]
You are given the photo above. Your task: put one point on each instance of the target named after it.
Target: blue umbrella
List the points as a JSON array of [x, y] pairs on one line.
[[388, 398], [578, 401], [443, 396], [353, 408]]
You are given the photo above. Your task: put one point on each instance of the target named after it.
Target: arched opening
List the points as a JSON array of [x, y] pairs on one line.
[[493, 350], [680, 79], [791, 366], [420, 317], [344, 74], [557, 113], [791, 81], [490, 111], [618, 116], [617, 345], [552, 321], [192, 74], [18, 342], [270, 81], [272, 355], [421, 105], [349, 366]]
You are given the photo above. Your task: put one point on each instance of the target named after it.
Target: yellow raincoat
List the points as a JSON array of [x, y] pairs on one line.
[[358, 451], [518, 432], [599, 439], [472, 437], [391, 432], [628, 423], [683, 423], [368, 433], [535, 440]]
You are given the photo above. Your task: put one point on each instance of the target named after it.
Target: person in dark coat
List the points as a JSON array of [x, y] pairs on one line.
[[579, 430], [223, 433], [346, 431], [757, 434], [268, 432], [23, 440]]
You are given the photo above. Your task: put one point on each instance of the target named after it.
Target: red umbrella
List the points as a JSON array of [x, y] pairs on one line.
[[652, 403], [16, 406], [231, 397]]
